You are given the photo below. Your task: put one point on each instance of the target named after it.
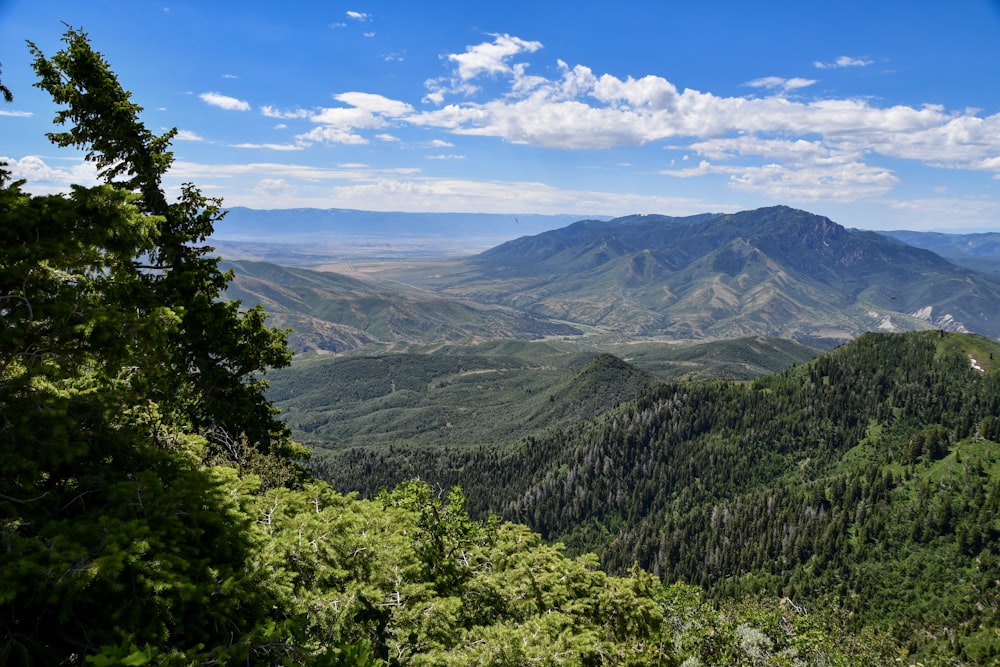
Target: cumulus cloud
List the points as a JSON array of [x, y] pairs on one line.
[[375, 103], [348, 117], [766, 142], [844, 61], [357, 16], [273, 187], [43, 178], [770, 141], [273, 112], [491, 57], [187, 135], [332, 135], [225, 102], [340, 125]]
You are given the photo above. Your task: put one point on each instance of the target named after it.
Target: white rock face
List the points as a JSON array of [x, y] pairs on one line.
[[887, 325], [944, 321]]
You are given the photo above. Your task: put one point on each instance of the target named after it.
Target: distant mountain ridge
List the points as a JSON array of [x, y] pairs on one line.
[[979, 251], [332, 312], [775, 271]]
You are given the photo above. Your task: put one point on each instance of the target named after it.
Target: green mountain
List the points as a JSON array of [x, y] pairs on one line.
[[866, 479], [484, 395], [870, 475], [775, 271], [332, 312]]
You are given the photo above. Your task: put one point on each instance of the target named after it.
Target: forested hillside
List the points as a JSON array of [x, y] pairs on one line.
[[485, 394], [867, 479], [870, 476]]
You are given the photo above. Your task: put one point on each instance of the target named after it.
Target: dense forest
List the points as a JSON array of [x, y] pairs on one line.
[[867, 478]]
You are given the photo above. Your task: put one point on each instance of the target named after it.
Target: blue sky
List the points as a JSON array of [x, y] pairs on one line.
[[878, 114]]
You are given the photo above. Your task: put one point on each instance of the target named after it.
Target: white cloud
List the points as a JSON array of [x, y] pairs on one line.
[[272, 112], [273, 188], [360, 186], [188, 171], [43, 178], [960, 213], [777, 140], [270, 147], [375, 103], [16, 114], [358, 16], [649, 92], [224, 102], [332, 135], [844, 61], [229, 76], [491, 57], [347, 117], [366, 111], [835, 180], [187, 135], [780, 83], [831, 143]]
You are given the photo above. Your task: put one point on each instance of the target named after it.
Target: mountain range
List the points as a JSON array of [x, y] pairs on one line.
[[774, 272], [979, 251]]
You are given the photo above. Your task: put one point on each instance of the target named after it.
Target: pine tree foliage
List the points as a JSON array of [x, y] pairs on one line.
[[121, 374], [868, 479], [869, 476]]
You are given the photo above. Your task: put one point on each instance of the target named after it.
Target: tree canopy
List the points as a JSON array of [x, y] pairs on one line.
[[122, 372]]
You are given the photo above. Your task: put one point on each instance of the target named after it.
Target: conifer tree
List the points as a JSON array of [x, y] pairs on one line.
[[122, 373]]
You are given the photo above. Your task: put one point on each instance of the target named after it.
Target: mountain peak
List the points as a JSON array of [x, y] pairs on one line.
[[775, 271]]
